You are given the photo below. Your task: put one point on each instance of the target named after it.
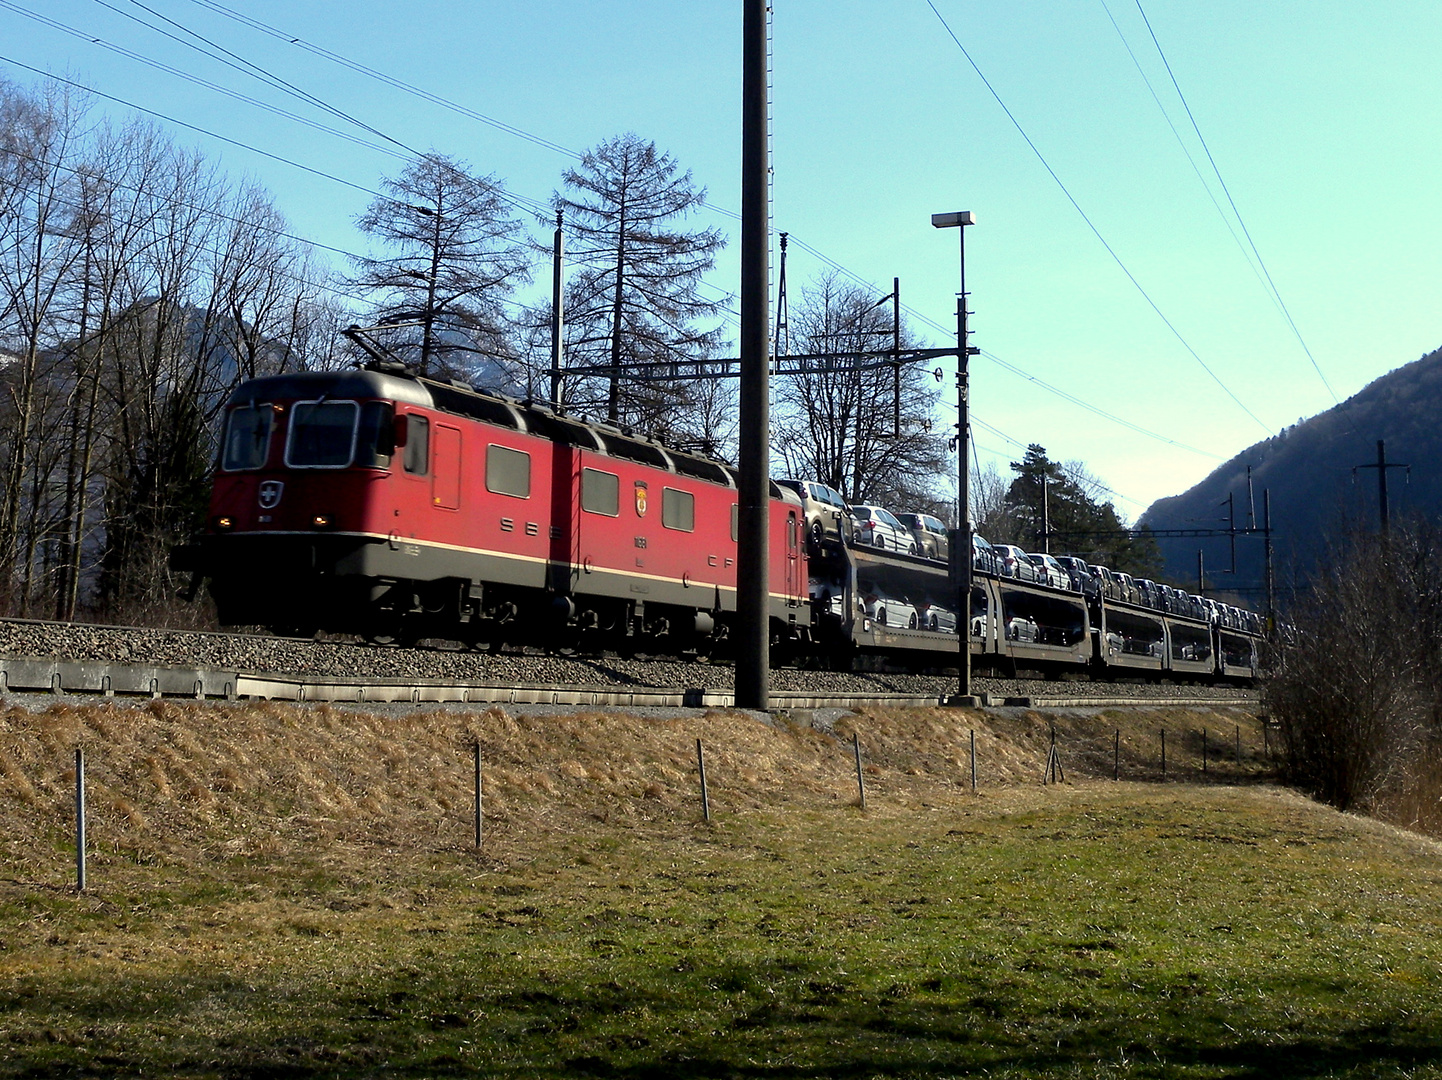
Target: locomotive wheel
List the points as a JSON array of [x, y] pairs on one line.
[[295, 630], [391, 637]]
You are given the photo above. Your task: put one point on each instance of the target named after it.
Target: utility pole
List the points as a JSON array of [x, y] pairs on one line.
[[1232, 527], [783, 326], [1045, 517], [896, 356], [1267, 556], [1382, 466], [557, 321], [753, 581]]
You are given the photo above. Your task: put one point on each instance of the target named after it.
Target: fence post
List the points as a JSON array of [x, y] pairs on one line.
[[705, 798], [860, 784], [1164, 753], [480, 818], [973, 761], [1117, 754], [79, 819], [1239, 744], [1053, 771], [1204, 750]]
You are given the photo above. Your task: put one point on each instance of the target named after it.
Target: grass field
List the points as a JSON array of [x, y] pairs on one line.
[[281, 892]]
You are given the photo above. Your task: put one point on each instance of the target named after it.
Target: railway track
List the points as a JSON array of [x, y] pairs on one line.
[[81, 658]]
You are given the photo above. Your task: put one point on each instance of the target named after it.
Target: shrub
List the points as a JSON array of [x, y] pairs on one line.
[[1355, 680]]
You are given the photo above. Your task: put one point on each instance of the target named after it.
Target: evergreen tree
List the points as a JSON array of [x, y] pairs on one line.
[[1077, 520]]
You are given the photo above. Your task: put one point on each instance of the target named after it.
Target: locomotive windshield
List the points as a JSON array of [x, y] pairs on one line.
[[322, 434], [333, 434], [247, 437]]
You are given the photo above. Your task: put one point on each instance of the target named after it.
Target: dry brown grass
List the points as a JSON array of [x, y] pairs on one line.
[[188, 784]]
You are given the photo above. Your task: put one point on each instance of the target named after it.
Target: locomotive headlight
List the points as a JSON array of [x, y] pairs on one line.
[[321, 521], [225, 522]]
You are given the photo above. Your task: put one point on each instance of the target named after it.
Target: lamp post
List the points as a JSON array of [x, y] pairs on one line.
[[961, 550]]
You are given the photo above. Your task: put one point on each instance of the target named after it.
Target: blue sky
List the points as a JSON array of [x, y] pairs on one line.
[[1322, 118]]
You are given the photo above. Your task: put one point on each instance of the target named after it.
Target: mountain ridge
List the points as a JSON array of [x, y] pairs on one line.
[[1322, 480]]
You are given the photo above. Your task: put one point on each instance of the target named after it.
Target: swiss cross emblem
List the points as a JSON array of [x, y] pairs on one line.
[[640, 498], [270, 494]]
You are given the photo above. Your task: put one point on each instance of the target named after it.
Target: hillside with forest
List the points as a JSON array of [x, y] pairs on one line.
[[1322, 477]]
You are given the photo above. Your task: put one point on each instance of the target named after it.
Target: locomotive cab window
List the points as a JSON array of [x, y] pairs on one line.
[[508, 472], [418, 444], [678, 510], [376, 437], [322, 434], [600, 492], [247, 437]]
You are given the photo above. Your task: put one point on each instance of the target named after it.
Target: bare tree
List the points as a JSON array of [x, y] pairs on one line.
[[40, 143], [988, 502], [1356, 679], [459, 251], [635, 298], [836, 425], [137, 286]]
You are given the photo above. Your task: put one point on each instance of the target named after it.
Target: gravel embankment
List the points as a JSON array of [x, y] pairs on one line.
[[285, 656]]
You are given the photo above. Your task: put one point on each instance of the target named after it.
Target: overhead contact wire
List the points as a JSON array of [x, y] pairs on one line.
[[1090, 225]]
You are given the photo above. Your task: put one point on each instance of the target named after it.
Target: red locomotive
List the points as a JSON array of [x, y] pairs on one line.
[[376, 502]]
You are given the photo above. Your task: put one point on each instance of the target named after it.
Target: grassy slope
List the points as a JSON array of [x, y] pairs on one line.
[[282, 892]]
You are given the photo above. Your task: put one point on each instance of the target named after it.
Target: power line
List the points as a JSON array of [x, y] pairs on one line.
[[199, 130], [220, 215], [1061, 466], [1232, 203], [204, 210], [1186, 151], [255, 71], [399, 84], [180, 74], [246, 67], [1090, 225], [1096, 409], [224, 139]]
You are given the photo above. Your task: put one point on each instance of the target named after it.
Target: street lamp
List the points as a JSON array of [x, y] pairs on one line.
[[961, 551]]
